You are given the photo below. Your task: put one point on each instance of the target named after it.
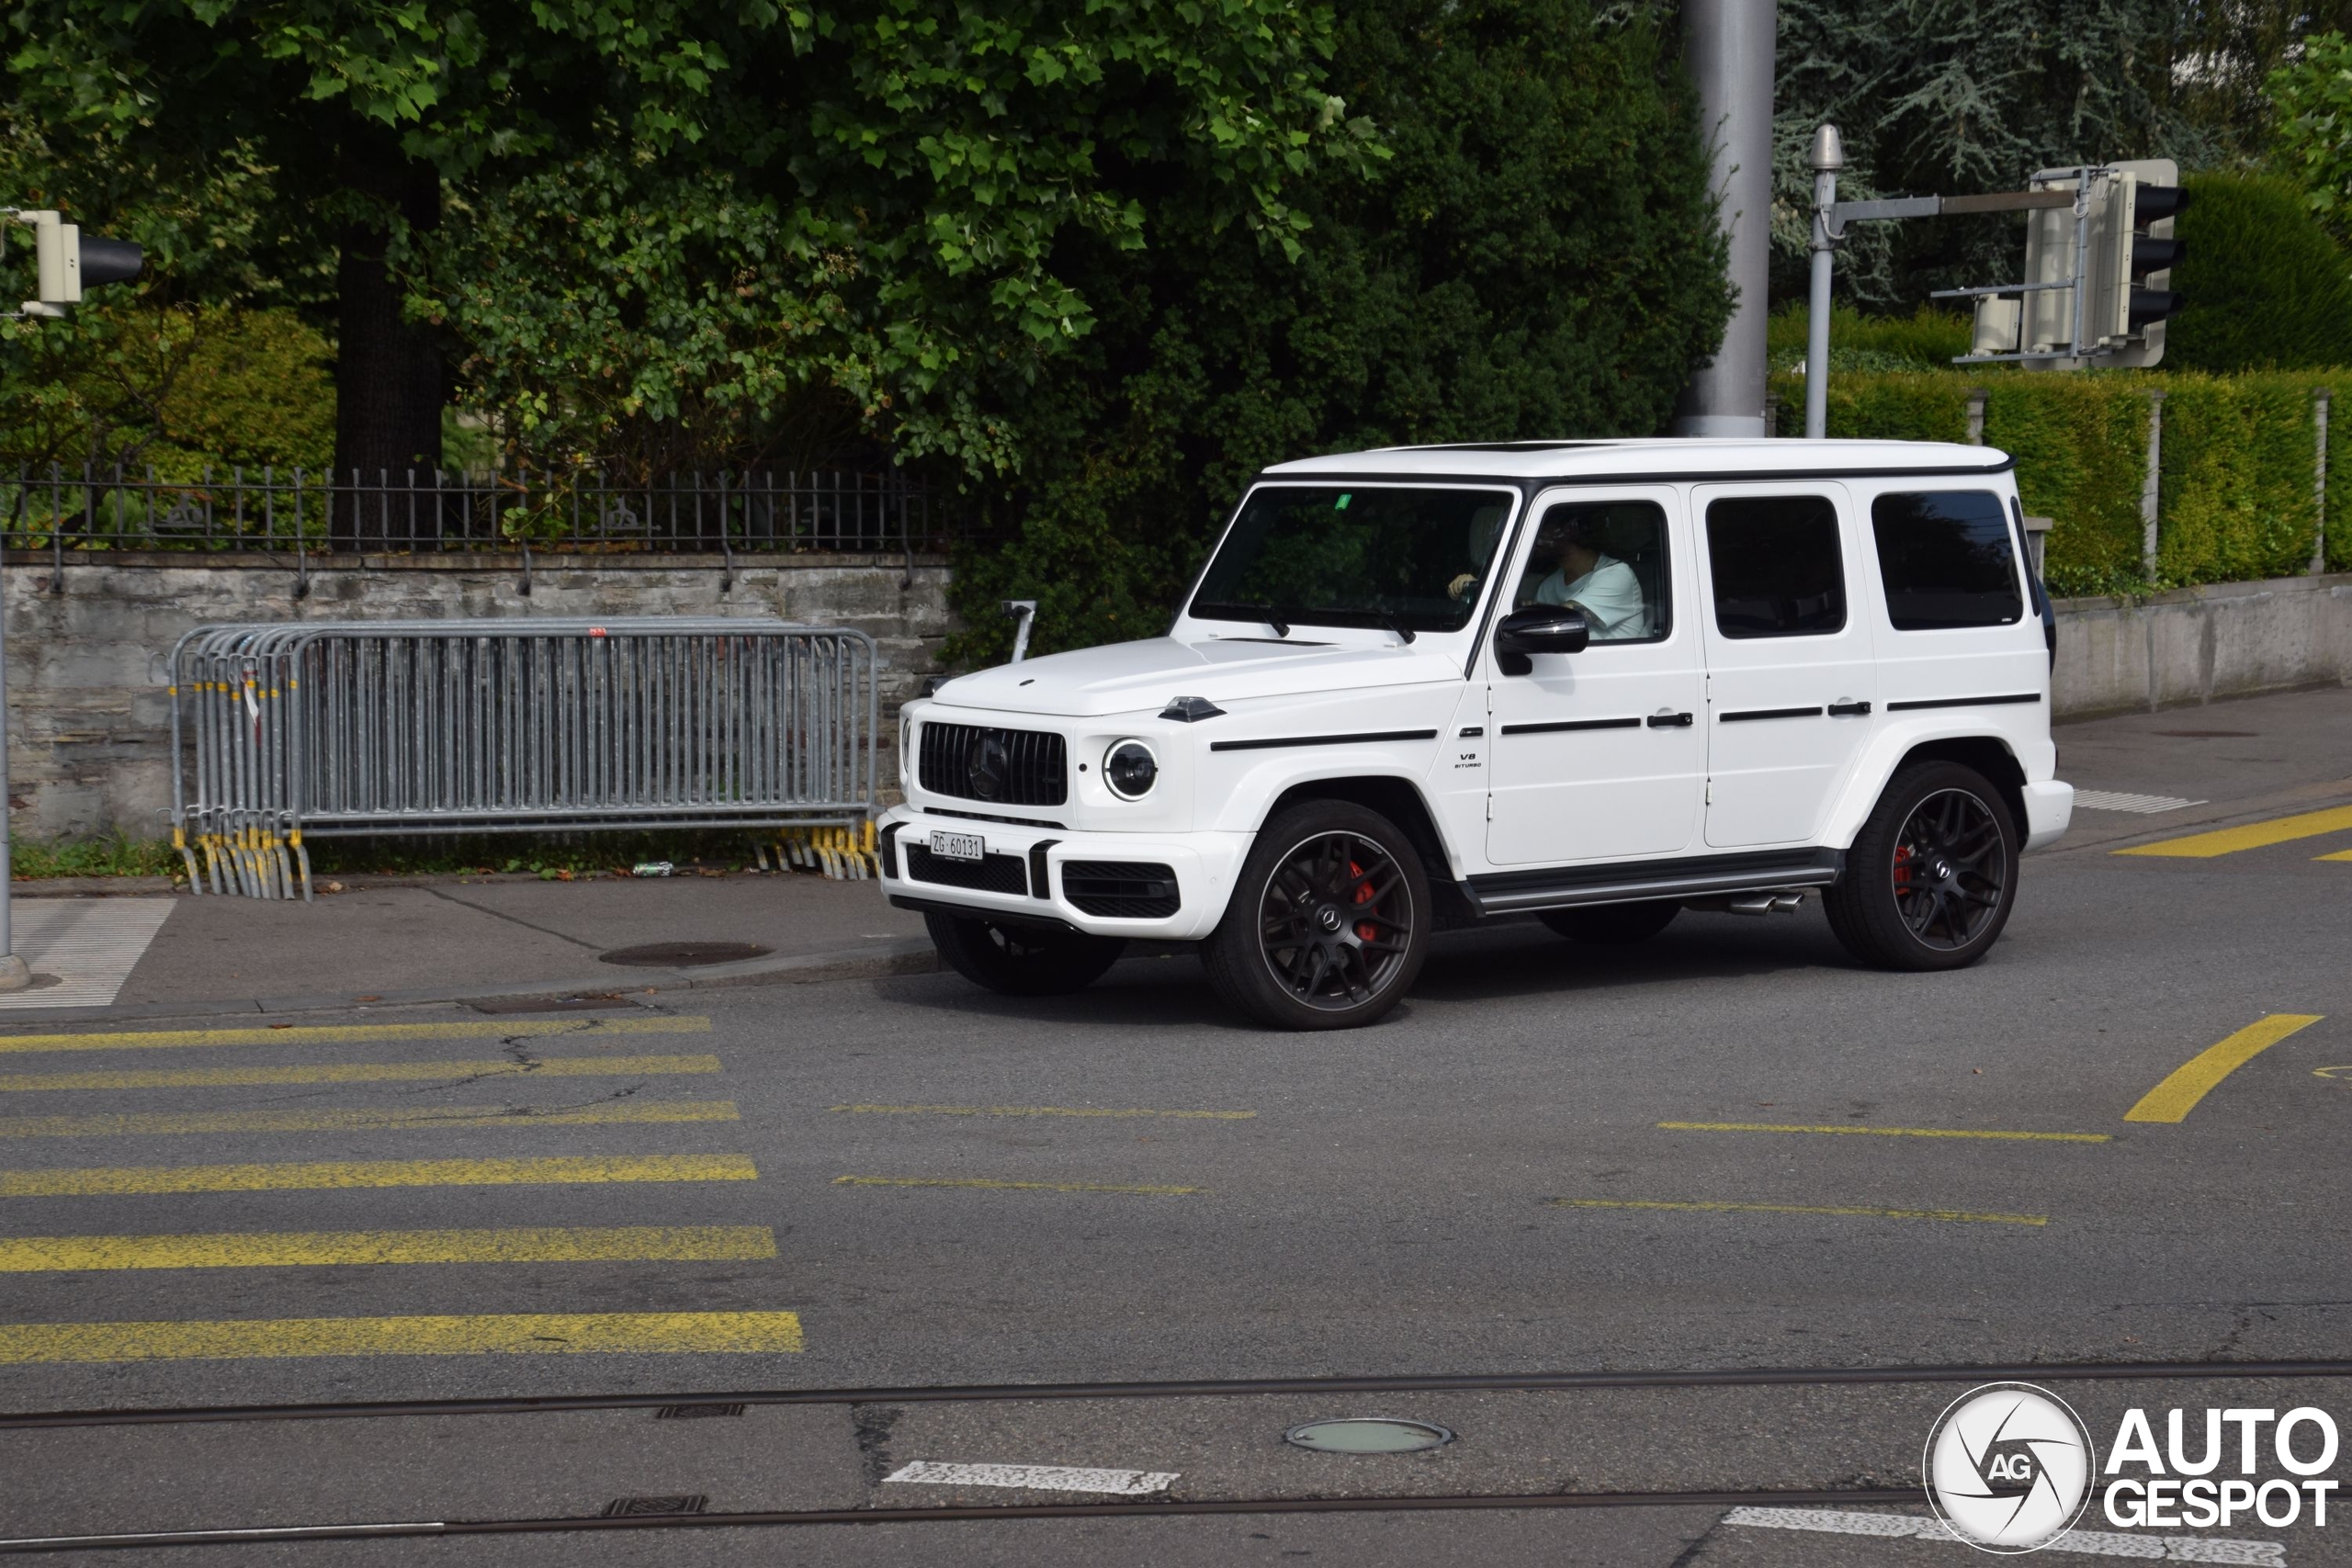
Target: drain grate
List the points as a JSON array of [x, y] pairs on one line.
[[647, 1507], [696, 1412], [2116, 800], [683, 954]]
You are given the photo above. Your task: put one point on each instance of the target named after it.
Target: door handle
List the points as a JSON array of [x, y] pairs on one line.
[[1666, 718], [1845, 707]]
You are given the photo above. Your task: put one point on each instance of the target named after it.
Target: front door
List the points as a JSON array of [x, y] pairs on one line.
[[1790, 684], [1599, 755]]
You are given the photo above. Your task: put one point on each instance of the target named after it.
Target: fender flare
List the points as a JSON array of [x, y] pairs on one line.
[[1987, 750]]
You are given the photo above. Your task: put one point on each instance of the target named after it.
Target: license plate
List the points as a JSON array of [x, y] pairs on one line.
[[958, 846]]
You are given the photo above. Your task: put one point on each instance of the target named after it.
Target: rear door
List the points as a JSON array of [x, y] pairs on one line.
[[1790, 685], [1599, 755]]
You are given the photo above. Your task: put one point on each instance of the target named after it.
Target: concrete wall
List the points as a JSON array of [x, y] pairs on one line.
[[90, 722], [2227, 639]]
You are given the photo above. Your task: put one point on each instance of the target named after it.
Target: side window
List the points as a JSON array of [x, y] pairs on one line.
[[1947, 559], [1775, 565], [1608, 558]]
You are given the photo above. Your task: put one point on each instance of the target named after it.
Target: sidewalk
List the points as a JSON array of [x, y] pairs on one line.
[[450, 938], [392, 940]]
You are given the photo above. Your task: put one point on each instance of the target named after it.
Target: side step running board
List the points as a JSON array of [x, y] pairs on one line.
[[1715, 877]]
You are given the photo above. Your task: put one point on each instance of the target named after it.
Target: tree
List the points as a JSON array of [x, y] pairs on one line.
[[2268, 288], [1539, 258], [1955, 97], [906, 167]]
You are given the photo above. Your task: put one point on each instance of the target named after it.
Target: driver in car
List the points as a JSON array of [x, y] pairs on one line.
[[1600, 586]]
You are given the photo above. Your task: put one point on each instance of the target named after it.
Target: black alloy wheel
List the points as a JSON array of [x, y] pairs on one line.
[[1948, 872], [1329, 922], [1019, 960], [1932, 876]]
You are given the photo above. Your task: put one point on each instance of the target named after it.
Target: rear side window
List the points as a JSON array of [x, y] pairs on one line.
[[1947, 559], [1774, 563]]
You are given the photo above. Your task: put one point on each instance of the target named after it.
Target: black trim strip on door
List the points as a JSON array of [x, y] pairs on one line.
[[1768, 713], [1964, 702], [1268, 745], [1572, 724]]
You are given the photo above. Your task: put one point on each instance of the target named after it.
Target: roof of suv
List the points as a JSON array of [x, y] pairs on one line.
[[1655, 458]]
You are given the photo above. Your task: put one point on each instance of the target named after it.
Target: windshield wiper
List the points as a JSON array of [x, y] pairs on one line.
[[1392, 623]]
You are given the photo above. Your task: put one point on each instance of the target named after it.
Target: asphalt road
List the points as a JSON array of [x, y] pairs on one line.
[[1728, 1149]]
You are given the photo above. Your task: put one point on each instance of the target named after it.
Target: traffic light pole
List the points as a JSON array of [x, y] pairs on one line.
[[1828, 157]]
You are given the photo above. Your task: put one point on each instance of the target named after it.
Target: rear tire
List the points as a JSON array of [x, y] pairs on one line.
[[1933, 874], [1613, 925], [1329, 922], [1021, 960]]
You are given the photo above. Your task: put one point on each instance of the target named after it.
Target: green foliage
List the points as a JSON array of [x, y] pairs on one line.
[[109, 855], [1925, 339], [1526, 264], [2268, 289], [2312, 140], [2236, 492]]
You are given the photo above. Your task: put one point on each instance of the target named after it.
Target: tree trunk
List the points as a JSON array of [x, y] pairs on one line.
[[388, 376]]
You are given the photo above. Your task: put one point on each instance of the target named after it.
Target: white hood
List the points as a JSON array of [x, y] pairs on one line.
[[1128, 677]]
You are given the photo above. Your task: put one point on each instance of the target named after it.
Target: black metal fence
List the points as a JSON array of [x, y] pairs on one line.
[[300, 512]]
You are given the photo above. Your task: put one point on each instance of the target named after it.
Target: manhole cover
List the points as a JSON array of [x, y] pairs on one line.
[[1368, 1434], [683, 954]]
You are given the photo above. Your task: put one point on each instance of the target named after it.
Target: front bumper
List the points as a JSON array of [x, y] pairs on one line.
[[2049, 808], [1204, 865]]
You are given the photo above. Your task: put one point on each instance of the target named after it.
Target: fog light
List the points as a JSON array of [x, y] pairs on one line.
[[1368, 1434], [1129, 768]]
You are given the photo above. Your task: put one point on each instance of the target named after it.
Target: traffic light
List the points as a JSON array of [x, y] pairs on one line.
[[2111, 243], [68, 263], [2134, 260]]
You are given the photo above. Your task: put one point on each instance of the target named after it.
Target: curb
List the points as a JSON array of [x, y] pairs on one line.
[[881, 962]]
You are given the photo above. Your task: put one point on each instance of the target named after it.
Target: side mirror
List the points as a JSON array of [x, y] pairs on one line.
[[1539, 629]]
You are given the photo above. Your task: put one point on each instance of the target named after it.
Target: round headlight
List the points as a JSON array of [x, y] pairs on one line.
[[1129, 768]]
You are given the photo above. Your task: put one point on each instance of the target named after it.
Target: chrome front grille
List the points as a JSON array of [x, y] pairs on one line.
[[1008, 767]]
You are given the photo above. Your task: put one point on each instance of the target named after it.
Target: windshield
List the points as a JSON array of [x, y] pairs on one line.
[[1356, 556]]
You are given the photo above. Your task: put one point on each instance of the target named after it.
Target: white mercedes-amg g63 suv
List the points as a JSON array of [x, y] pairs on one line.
[[1595, 681]]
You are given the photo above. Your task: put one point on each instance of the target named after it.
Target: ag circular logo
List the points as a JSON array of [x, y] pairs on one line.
[[2009, 1467]]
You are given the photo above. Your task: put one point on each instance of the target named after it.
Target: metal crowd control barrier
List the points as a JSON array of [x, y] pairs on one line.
[[517, 726]]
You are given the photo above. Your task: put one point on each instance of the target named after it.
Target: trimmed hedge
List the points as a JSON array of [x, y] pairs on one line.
[[2234, 492]]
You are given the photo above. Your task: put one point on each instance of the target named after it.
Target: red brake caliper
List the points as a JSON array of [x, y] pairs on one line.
[[1365, 929], [1902, 869]]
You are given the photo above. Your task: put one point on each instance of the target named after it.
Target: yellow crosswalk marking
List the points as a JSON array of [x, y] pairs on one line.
[[395, 1119], [1039, 1111], [1836, 1127], [369, 1033], [1962, 1214], [331, 1175], [1012, 1186], [2253, 835], [2173, 1098], [362, 1072], [514, 1334], [286, 1249]]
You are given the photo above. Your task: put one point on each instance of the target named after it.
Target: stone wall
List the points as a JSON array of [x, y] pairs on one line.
[[90, 721], [2225, 639]]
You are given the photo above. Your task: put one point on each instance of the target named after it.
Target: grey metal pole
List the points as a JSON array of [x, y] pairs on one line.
[[1728, 45], [15, 973], [1828, 157]]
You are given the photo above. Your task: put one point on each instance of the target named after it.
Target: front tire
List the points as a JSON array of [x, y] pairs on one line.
[[1932, 876], [1329, 922], [1021, 960], [1613, 925]]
